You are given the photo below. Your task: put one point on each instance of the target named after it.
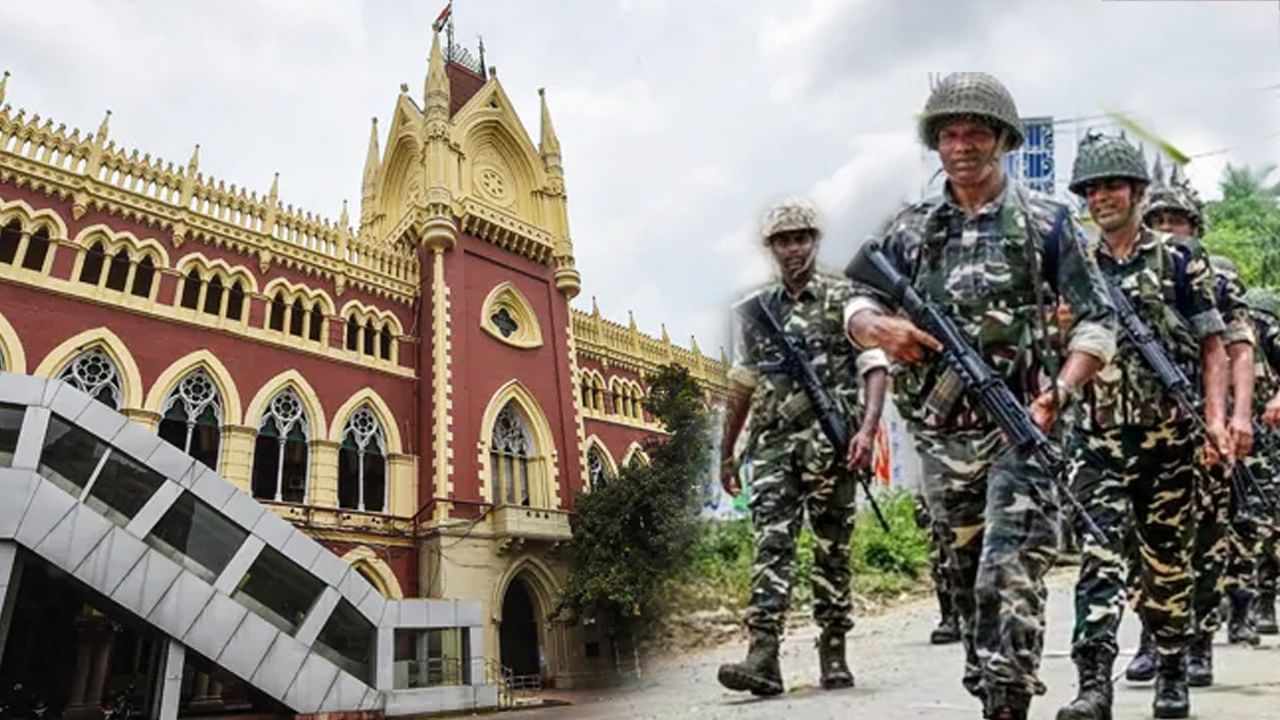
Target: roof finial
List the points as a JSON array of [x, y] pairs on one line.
[[550, 144], [194, 162], [436, 89], [101, 137], [4, 82]]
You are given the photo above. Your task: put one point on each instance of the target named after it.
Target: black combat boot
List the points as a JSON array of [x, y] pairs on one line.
[[760, 673], [835, 671], [1265, 611], [1240, 627], [1143, 666], [948, 630], [1172, 699], [1200, 660], [1005, 704], [1093, 699]]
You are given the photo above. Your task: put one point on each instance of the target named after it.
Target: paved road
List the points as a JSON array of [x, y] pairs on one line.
[[900, 676]]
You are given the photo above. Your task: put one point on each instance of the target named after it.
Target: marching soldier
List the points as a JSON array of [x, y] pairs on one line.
[[987, 251], [1133, 452], [1173, 207], [795, 469], [1264, 306]]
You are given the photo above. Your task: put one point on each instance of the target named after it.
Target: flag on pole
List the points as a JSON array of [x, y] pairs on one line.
[[443, 17]]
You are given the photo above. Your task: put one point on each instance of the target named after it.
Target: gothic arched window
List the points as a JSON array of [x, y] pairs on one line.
[[597, 468], [362, 464], [91, 268], [281, 455], [10, 239], [118, 271], [510, 451], [37, 250], [192, 418], [143, 276], [93, 373]]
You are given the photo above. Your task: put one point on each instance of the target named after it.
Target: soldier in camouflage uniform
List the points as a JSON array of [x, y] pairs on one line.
[[795, 469], [1173, 207], [1133, 453], [1264, 306], [1253, 536], [948, 629], [986, 252]]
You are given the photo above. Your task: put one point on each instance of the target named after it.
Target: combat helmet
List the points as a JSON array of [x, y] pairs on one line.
[[970, 94], [1263, 300], [1102, 156], [788, 214], [1175, 195], [1222, 263]]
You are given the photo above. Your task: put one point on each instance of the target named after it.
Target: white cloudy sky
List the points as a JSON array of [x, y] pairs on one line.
[[678, 120]]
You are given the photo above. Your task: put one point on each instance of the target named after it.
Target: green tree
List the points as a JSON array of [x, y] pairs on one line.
[[1245, 224], [634, 534]]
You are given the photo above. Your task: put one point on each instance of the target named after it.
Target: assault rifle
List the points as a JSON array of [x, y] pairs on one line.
[[1178, 387], [795, 364], [872, 269]]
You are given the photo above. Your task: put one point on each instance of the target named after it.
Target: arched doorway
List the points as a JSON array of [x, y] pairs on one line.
[[518, 636]]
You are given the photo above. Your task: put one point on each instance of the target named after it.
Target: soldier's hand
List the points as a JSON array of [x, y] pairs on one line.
[[1241, 430], [901, 340], [1044, 411], [729, 476], [1217, 444], [1272, 414], [1066, 318], [860, 451]]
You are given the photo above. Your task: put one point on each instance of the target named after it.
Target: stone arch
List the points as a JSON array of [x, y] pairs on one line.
[[110, 343], [611, 466], [635, 452], [178, 369], [397, 183], [311, 401], [220, 266], [32, 220], [15, 356], [506, 296], [298, 290], [542, 582], [369, 396], [548, 455], [378, 572], [363, 311], [113, 240]]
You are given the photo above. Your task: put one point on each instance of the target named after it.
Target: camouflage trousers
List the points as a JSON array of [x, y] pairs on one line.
[[1137, 485], [1251, 530], [787, 484], [998, 514], [1210, 551], [939, 568]]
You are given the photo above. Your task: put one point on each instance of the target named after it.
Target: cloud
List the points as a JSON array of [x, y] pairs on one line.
[[678, 121]]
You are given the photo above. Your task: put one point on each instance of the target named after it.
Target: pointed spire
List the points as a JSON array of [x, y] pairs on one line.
[[101, 137], [666, 339], [595, 307], [274, 194], [344, 220], [693, 345], [631, 321], [4, 82], [194, 162], [436, 90], [372, 158], [550, 144]]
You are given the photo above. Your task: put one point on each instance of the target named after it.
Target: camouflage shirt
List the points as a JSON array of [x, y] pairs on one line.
[[1266, 360], [978, 270], [780, 409], [1171, 286]]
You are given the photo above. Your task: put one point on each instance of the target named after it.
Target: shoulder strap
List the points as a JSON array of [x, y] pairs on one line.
[[1181, 285]]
